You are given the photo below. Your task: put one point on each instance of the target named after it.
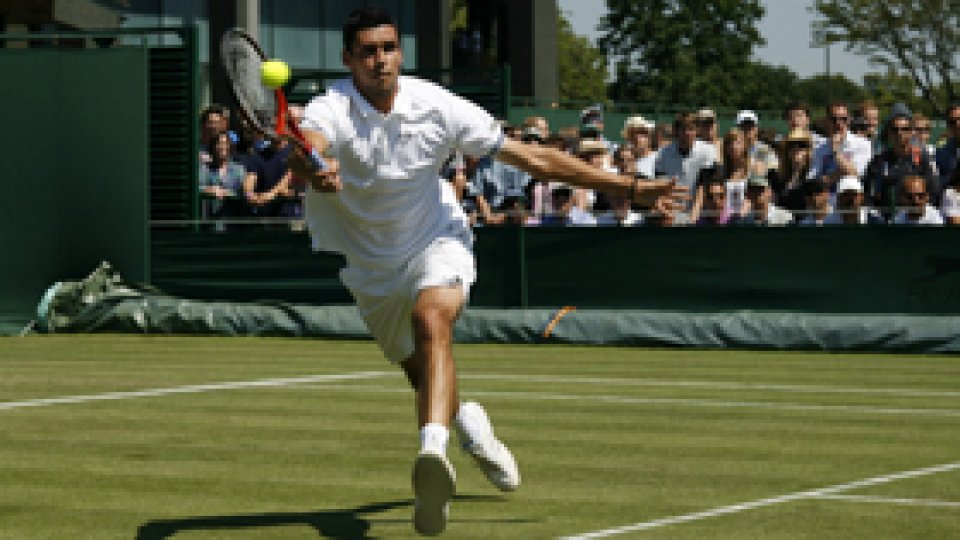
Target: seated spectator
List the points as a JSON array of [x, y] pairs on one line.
[[471, 201], [638, 133], [707, 129], [950, 201], [922, 129], [762, 209], [797, 116], [221, 177], [564, 212], [850, 209], [914, 207], [887, 169], [763, 157], [842, 153], [949, 154], [624, 159], [736, 167], [663, 136], [817, 194], [211, 124], [858, 126], [540, 124], [684, 159], [870, 115], [620, 214], [787, 182], [714, 198], [268, 179]]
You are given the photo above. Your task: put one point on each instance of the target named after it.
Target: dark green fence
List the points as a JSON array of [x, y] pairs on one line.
[[100, 136], [75, 167], [813, 270]]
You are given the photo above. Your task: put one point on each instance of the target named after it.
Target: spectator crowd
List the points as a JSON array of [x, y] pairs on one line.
[[853, 167]]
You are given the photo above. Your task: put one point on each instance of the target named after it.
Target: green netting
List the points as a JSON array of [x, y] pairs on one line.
[[103, 303]]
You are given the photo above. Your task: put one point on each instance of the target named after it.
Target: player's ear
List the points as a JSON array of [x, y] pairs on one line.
[[345, 57]]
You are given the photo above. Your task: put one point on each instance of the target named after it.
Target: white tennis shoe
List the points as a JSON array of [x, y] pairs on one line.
[[493, 457], [434, 483]]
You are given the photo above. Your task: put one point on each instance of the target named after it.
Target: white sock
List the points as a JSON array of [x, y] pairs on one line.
[[434, 437]]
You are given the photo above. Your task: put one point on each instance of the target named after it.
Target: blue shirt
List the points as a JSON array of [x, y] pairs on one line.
[[947, 156]]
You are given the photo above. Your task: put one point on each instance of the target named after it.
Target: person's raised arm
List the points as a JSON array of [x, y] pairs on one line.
[[325, 181], [547, 162]]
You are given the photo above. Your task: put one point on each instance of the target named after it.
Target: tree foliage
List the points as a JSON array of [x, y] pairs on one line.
[[690, 52], [891, 87], [819, 91], [582, 66], [918, 38]]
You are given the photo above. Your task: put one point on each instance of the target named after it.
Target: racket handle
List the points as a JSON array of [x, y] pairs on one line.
[[318, 160]]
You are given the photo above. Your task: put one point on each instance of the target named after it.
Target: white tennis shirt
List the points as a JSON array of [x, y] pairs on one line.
[[393, 203]]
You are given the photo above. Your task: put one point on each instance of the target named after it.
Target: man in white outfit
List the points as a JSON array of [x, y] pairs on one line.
[[380, 203]]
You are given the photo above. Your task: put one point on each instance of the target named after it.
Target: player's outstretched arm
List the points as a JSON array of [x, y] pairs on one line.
[[326, 181], [549, 163]]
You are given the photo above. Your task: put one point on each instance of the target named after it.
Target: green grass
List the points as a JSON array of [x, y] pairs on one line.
[[606, 437]]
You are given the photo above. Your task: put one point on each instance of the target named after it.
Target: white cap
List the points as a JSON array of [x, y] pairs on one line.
[[747, 116], [637, 122], [703, 114], [849, 183]]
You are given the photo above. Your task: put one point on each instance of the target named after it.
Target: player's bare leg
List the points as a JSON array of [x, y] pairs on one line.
[[432, 373], [431, 369]]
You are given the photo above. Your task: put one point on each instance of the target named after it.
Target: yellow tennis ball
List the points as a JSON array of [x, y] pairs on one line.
[[274, 73]]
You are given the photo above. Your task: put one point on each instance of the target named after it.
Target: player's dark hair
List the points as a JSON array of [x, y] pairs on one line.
[[364, 18]]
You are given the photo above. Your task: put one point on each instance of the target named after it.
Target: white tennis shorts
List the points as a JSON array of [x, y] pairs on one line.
[[385, 298]]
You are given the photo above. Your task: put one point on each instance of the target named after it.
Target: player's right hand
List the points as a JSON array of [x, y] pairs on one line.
[[327, 181]]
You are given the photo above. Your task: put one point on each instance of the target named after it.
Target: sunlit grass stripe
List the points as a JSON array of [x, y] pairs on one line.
[[753, 505], [192, 389]]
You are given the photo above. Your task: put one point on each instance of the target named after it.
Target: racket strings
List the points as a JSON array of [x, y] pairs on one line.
[[243, 62]]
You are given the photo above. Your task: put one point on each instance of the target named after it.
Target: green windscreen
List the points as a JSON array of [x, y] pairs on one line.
[[74, 168]]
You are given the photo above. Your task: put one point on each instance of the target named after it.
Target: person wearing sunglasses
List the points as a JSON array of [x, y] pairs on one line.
[[922, 129], [913, 206], [949, 153], [842, 153], [886, 170]]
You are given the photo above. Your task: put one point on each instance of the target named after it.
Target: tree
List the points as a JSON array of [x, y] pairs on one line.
[[919, 38], [891, 87], [690, 52], [819, 91], [583, 67]]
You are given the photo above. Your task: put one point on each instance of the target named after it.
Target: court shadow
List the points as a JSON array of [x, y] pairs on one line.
[[347, 524]]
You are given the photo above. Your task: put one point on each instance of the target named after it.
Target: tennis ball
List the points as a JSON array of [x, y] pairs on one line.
[[274, 73]]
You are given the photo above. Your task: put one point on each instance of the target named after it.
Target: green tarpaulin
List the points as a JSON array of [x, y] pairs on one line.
[[103, 303]]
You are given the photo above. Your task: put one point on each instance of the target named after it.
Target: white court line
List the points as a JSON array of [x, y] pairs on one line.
[[712, 403], [889, 500], [193, 389], [752, 505], [714, 385]]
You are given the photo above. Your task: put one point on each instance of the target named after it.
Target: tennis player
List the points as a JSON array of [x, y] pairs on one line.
[[408, 246]]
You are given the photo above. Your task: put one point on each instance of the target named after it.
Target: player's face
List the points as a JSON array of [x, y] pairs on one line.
[[374, 60]]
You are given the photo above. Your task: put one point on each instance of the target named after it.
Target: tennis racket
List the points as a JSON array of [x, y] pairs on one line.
[[264, 109]]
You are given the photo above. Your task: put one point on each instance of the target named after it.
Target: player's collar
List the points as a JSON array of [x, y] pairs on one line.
[[405, 105]]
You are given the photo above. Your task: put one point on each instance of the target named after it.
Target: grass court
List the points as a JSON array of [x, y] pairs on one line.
[[187, 438]]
